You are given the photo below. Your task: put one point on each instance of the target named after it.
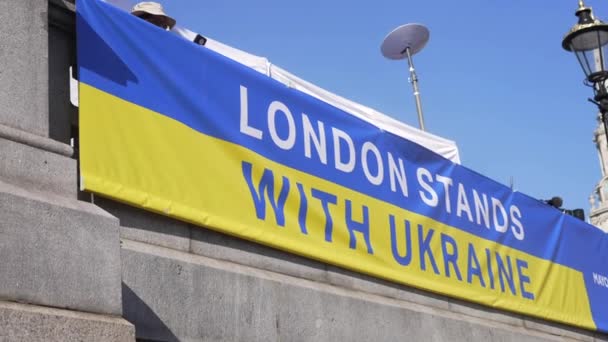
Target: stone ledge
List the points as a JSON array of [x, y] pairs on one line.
[[56, 200], [558, 330], [33, 140], [479, 311], [21, 322]]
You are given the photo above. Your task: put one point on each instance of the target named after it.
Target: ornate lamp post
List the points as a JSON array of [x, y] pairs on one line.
[[588, 39]]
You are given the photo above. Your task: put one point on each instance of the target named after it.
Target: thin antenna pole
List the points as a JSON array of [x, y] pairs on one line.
[[414, 80]]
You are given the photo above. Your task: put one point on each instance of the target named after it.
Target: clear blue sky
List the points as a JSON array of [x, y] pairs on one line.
[[493, 76]]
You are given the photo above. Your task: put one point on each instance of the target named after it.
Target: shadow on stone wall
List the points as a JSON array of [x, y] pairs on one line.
[[136, 311]]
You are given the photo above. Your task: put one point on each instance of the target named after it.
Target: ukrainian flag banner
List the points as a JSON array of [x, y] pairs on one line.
[[177, 129]]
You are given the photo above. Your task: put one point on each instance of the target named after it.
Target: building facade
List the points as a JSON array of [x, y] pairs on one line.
[[598, 200]]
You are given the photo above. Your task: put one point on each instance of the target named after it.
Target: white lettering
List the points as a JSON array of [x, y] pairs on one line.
[[287, 143], [447, 182], [499, 227], [489, 212], [318, 140], [599, 279], [424, 173], [398, 174], [462, 203], [367, 147], [516, 227], [349, 165], [245, 128], [481, 209]]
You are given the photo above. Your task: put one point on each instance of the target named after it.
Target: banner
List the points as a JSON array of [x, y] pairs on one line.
[[180, 130]]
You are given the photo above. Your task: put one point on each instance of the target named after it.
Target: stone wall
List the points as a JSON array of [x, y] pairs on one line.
[[190, 283], [60, 275]]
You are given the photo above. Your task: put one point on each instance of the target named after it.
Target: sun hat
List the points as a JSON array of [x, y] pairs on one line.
[[153, 8]]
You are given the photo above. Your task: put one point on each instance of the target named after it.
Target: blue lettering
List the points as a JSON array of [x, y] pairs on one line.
[[361, 227], [490, 274], [425, 248], [474, 269], [403, 260], [303, 209], [502, 273], [523, 279], [326, 199], [450, 258], [266, 186]]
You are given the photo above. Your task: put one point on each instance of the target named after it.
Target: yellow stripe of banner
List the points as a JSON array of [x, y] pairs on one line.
[[137, 156]]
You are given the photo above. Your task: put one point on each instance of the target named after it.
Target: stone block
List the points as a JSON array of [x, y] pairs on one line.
[[19, 322], [37, 170], [361, 282], [24, 58], [58, 252], [170, 295], [145, 226], [220, 246], [191, 302]]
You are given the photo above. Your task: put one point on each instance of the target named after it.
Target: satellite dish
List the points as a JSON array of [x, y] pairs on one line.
[[404, 42], [412, 36]]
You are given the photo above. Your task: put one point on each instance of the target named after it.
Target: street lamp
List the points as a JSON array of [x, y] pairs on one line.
[[588, 39]]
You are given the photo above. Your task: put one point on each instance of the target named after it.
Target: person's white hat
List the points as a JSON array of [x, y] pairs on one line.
[[153, 8]]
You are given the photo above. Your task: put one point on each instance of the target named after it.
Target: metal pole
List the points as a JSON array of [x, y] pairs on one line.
[[414, 80]]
